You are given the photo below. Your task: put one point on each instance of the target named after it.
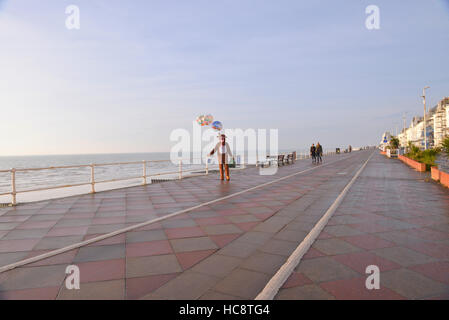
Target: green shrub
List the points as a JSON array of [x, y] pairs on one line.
[[394, 143], [427, 156]]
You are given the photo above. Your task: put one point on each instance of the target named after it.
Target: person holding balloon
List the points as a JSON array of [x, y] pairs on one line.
[[223, 152]]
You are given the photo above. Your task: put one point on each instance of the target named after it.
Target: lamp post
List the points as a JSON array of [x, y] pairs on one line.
[[425, 111]]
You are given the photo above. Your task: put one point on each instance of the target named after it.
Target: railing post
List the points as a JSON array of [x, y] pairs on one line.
[[180, 169], [92, 177], [13, 186], [144, 172]]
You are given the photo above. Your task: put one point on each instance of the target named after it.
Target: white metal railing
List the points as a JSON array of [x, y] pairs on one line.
[[93, 181]]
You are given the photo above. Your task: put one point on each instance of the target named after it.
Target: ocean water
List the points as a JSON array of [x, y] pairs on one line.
[[31, 180], [68, 176]]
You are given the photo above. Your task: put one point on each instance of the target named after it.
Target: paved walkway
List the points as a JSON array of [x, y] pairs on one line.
[[229, 249], [393, 217]]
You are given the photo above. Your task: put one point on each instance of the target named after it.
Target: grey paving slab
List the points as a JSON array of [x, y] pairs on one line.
[[264, 262], [334, 246], [104, 290], [325, 269], [253, 282], [193, 244], [411, 284], [187, 286], [32, 277], [306, 292], [152, 265], [217, 265], [98, 253], [403, 256]]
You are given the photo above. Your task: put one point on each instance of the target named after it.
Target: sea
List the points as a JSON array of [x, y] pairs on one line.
[[41, 179]]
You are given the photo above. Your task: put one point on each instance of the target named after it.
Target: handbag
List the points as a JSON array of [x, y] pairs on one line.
[[232, 163]]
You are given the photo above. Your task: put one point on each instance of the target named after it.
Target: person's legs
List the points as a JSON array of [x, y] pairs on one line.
[[221, 171], [227, 172]]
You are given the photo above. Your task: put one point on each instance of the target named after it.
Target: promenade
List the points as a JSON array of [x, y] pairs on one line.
[[391, 217]]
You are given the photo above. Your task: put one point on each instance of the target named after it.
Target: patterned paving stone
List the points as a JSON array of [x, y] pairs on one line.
[[152, 265], [325, 269], [412, 285], [32, 277], [193, 244], [296, 279], [49, 293], [104, 290], [438, 271], [306, 292], [100, 253], [355, 289], [191, 258], [232, 284], [403, 256], [136, 288], [368, 242], [187, 286], [334, 246], [359, 261]]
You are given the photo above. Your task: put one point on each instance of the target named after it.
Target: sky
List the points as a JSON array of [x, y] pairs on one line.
[[136, 70]]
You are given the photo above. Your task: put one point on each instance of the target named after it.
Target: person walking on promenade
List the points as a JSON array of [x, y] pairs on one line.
[[223, 151], [319, 153], [313, 153]]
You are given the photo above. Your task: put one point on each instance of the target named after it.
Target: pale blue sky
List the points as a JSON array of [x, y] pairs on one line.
[[138, 69]]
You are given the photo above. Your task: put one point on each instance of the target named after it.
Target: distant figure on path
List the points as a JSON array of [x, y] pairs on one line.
[[350, 148], [319, 153], [313, 153], [223, 151]]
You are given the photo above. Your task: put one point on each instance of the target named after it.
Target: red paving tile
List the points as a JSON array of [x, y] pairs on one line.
[[17, 245], [188, 232], [263, 216], [358, 261], [139, 287], [49, 293], [371, 227], [37, 224], [211, 221], [325, 235], [355, 289], [246, 226], [427, 234], [141, 249], [368, 241], [189, 259], [438, 271], [109, 220], [67, 231], [223, 239], [433, 249], [231, 212], [102, 270], [296, 279]]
